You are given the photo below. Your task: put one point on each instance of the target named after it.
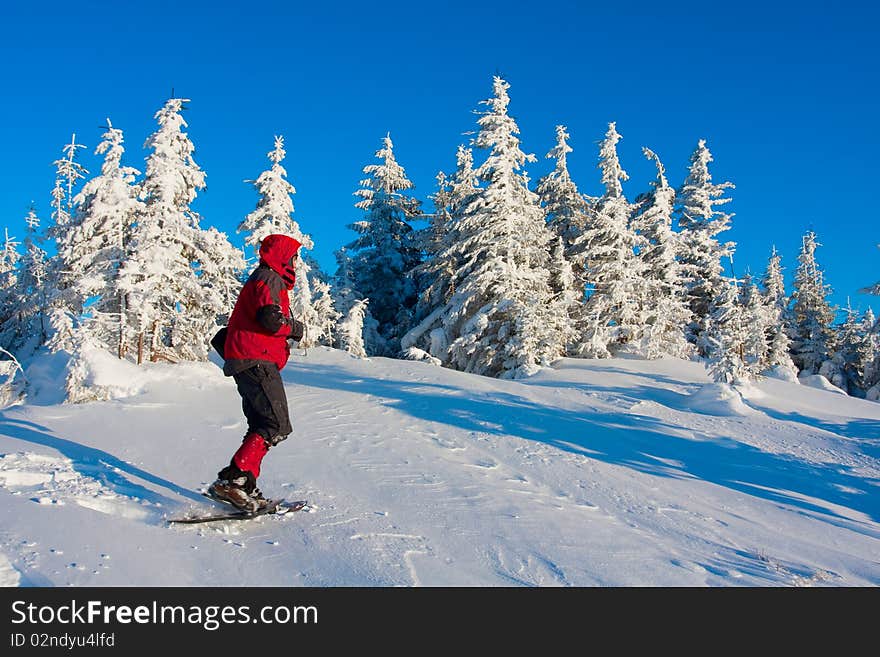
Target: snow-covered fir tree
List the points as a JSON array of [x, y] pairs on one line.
[[351, 329], [662, 296], [567, 209], [701, 254], [568, 292], [725, 338], [32, 290], [812, 315], [756, 321], [854, 354], [612, 314], [65, 304], [776, 301], [502, 320], [274, 214], [107, 208], [68, 173], [872, 355], [10, 302], [171, 313], [439, 272], [345, 294], [385, 253], [274, 211]]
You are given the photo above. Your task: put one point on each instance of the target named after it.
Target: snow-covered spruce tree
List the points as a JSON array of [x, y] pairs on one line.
[[10, 302], [31, 290], [439, 272], [567, 209], [65, 305], [854, 355], [812, 315], [568, 292], [170, 311], [700, 253], [351, 329], [274, 211], [612, 314], [274, 214], [345, 294], [107, 207], [871, 355], [385, 252], [68, 173], [431, 275], [502, 320], [662, 296], [776, 301], [725, 337], [756, 322]]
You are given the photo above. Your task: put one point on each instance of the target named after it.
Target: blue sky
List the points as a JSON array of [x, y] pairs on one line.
[[785, 94]]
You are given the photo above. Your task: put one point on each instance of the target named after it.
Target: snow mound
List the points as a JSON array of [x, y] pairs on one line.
[[105, 377], [820, 382], [781, 373], [414, 353], [718, 399]]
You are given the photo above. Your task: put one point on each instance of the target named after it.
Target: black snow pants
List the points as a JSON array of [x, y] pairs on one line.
[[264, 402]]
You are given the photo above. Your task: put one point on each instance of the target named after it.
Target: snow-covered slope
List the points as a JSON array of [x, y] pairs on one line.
[[614, 472]]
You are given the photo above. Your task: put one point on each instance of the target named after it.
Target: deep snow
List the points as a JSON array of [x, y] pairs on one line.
[[619, 472]]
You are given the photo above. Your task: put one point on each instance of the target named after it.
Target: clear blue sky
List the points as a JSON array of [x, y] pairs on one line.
[[786, 95]]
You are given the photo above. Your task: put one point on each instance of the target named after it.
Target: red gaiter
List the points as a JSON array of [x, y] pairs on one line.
[[251, 453]]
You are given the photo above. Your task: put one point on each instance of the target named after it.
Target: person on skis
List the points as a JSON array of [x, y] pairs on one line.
[[255, 350]]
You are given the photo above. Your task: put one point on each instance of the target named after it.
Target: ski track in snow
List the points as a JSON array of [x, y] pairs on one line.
[[594, 473]]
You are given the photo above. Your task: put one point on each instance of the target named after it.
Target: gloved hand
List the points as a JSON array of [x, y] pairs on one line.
[[271, 317], [297, 329]]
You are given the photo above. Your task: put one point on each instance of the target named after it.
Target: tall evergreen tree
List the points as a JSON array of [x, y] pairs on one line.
[[778, 341], [32, 296], [701, 222], [850, 355], [662, 296], [567, 209], [274, 214], [725, 338], [170, 310], [871, 354], [107, 209], [10, 301], [502, 319], [65, 305], [385, 253], [274, 211], [612, 314], [812, 314], [439, 272], [756, 322]]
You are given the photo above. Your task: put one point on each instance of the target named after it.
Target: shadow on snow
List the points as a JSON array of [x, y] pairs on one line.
[[97, 464]]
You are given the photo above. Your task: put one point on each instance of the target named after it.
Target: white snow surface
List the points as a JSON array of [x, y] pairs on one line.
[[617, 472]]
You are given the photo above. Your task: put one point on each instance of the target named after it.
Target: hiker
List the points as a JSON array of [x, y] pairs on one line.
[[255, 350]]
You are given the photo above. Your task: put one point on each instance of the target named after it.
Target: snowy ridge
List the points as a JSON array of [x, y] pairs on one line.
[[613, 472]]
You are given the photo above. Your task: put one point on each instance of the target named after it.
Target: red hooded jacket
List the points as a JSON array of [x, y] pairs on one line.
[[254, 332]]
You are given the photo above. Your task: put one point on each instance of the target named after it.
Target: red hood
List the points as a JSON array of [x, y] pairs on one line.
[[276, 251]]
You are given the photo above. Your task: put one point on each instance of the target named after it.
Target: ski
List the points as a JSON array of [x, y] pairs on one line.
[[276, 507]]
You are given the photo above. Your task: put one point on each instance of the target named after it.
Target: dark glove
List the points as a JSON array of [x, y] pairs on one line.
[[270, 317], [297, 329]]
